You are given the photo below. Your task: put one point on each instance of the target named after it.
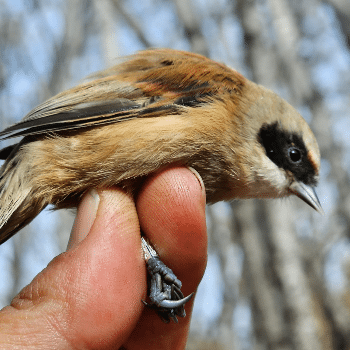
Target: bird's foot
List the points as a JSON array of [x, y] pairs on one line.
[[165, 293]]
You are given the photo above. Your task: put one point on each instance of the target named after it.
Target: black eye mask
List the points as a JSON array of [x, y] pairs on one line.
[[288, 151]]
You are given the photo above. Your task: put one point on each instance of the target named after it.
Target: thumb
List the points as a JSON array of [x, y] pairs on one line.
[[90, 296]]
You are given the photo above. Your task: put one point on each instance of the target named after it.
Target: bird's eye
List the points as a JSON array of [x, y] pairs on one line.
[[270, 151], [294, 154]]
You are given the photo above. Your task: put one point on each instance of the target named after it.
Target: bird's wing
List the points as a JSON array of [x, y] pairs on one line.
[[87, 105], [149, 84]]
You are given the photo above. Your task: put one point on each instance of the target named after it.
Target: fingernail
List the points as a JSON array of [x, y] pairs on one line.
[[199, 178], [85, 218]]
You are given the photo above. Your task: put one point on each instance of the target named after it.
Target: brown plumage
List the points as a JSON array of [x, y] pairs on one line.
[[157, 108]]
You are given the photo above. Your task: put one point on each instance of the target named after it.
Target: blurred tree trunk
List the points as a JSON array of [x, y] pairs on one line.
[[292, 314], [342, 8]]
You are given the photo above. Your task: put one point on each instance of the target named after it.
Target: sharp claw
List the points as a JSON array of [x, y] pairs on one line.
[[173, 304], [163, 285], [176, 293]]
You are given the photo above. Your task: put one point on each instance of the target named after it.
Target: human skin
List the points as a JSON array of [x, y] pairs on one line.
[[89, 297]]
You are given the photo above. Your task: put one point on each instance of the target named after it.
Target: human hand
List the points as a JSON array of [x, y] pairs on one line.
[[90, 296]]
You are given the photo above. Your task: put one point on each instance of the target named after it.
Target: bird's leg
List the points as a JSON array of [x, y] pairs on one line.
[[165, 293]]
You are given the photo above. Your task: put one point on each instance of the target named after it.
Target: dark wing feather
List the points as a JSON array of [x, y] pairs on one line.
[[86, 114], [149, 84], [5, 152]]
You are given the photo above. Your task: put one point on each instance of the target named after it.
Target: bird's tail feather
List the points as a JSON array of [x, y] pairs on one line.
[[18, 205]]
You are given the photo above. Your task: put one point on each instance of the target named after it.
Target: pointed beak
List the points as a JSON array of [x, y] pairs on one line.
[[307, 194]]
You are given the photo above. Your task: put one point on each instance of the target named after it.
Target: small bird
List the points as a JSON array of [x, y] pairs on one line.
[[157, 108]]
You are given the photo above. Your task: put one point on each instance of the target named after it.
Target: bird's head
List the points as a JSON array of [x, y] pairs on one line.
[[285, 155]]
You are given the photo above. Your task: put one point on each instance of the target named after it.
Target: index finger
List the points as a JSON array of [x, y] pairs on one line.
[[171, 211]]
